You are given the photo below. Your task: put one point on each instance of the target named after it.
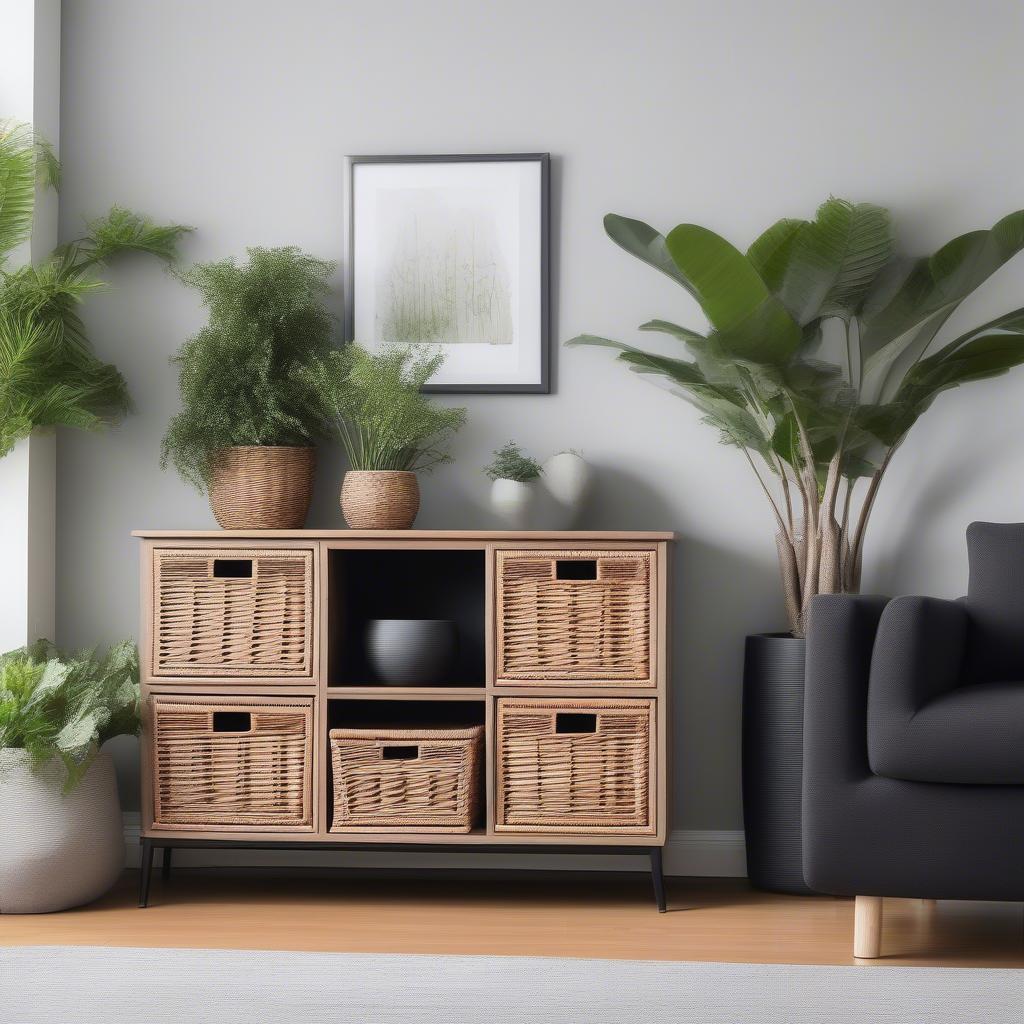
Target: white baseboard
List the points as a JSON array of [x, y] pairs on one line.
[[694, 852]]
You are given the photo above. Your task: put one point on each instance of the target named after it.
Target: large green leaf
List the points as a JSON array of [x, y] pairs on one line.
[[769, 254], [913, 294], [835, 260], [643, 242], [750, 322], [988, 356]]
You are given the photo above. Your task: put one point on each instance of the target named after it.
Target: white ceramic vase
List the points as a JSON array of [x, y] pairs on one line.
[[57, 851], [568, 480], [513, 502]]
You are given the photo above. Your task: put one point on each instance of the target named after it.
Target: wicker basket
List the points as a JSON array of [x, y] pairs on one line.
[[380, 500], [426, 780], [223, 612], [232, 765], [575, 766], [255, 487], [575, 616]]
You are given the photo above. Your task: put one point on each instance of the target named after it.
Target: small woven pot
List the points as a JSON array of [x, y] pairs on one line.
[[380, 499], [262, 487]]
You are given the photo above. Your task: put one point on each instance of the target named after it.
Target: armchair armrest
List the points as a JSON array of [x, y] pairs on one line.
[[840, 641], [919, 656]]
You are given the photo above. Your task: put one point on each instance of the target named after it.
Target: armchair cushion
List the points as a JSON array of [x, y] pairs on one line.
[[923, 724], [995, 601]]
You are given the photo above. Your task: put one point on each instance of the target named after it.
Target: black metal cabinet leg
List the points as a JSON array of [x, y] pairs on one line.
[[658, 879], [165, 867], [145, 871]]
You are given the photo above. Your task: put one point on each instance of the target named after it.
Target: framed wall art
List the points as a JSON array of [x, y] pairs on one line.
[[453, 252]]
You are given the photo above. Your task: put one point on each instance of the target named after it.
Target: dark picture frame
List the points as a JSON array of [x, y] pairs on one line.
[[542, 383]]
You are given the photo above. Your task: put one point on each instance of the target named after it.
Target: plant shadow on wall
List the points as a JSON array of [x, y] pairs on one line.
[[822, 353], [49, 374]]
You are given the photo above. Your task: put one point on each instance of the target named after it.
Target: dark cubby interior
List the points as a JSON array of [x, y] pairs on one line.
[[403, 714], [370, 584]]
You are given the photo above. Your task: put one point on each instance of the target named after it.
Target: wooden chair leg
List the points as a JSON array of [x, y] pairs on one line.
[[867, 927]]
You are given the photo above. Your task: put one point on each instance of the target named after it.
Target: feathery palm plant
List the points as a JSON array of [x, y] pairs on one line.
[[378, 411], [244, 377], [812, 427], [49, 374]]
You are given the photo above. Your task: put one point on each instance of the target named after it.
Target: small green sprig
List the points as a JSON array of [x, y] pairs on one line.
[[510, 463]]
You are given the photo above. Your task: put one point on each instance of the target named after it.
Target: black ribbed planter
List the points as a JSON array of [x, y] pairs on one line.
[[773, 734]]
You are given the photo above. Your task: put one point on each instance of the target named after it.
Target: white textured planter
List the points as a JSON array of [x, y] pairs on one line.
[[568, 480], [57, 851], [513, 502]]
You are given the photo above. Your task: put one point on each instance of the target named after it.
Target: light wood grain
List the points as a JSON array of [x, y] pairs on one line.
[[568, 915], [867, 927], [554, 536]]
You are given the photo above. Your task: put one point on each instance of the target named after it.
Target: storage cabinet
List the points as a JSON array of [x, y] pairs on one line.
[[267, 724]]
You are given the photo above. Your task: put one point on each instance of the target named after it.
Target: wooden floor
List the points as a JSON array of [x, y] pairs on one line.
[[574, 916]]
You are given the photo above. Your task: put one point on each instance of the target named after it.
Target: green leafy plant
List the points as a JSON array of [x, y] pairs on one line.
[[67, 706], [379, 413], [820, 357], [509, 463], [49, 374], [244, 378]]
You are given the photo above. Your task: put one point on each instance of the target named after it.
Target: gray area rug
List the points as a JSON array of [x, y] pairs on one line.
[[91, 985]]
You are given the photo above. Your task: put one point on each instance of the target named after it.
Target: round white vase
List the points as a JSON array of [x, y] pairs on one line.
[[568, 480], [57, 851], [513, 502]]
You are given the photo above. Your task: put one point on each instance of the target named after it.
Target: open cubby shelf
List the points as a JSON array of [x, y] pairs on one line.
[[392, 583], [559, 692]]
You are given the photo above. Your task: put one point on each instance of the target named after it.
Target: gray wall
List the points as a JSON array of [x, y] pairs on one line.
[[235, 115]]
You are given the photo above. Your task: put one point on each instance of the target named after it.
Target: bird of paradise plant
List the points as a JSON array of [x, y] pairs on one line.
[[821, 355]]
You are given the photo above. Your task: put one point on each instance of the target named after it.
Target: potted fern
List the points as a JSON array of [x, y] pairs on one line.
[[250, 417], [513, 493], [389, 429], [49, 373], [60, 817], [823, 352]]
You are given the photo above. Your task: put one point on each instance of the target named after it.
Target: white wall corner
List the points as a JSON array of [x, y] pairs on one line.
[[695, 853]]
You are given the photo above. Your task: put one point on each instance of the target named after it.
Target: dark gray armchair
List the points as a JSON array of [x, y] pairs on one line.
[[914, 740]]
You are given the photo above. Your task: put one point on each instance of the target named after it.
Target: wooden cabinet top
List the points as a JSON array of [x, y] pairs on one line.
[[497, 536]]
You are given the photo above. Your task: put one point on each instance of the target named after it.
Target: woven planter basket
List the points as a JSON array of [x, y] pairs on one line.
[[416, 779], [380, 499], [262, 487]]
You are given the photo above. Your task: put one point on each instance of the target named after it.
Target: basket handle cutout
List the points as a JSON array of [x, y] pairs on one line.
[[399, 753], [232, 568], [570, 722], [232, 721], [575, 568]]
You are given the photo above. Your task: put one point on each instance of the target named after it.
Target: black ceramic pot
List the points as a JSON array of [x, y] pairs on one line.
[[773, 735]]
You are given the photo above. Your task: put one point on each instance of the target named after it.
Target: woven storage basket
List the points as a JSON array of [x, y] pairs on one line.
[[557, 625], [575, 766], [427, 780], [232, 765], [380, 500], [262, 487], [224, 612]]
